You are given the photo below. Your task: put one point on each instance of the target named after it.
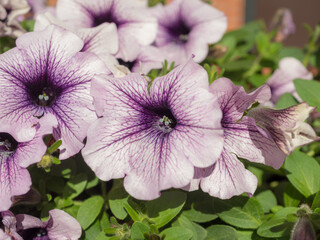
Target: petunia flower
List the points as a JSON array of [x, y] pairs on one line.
[[186, 27], [60, 226], [46, 74], [9, 223], [135, 25], [287, 127], [281, 80], [154, 138], [242, 138], [10, 10], [20, 147]]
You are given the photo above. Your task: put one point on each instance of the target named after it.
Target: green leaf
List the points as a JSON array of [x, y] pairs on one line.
[[101, 236], [118, 197], [75, 186], [177, 233], [308, 91], [267, 200], [54, 147], [138, 230], [163, 209], [199, 233], [285, 101], [242, 212], [303, 172], [316, 201], [277, 226], [291, 196], [89, 211], [198, 216], [257, 80], [93, 230], [200, 207], [291, 52], [221, 232]]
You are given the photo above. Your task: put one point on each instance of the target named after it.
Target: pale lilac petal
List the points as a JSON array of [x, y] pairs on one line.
[[32, 151], [93, 38], [76, 14], [234, 100], [186, 27], [61, 226], [281, 80], [229, 178], [4, 236], [246, 141], [25, 221], [14, 180]]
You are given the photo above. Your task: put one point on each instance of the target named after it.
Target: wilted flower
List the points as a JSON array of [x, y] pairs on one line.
[[10, 10], [281, 80], [242, 138], [287, 127], [283, 22], [60, 226], [10, 229], [20, 147], [186, 27], [154, 138], [46, 74], [135, 26]]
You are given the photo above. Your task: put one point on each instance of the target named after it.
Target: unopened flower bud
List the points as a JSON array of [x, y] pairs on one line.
[[303, 229]]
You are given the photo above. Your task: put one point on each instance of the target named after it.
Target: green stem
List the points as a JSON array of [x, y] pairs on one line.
[[103, 186]]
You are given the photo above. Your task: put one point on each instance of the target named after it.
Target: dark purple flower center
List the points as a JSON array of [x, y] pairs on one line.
[[34, 234], [42, 92], [107, 17], [165, 121], [129, 65], [7, 144], [179, 31]]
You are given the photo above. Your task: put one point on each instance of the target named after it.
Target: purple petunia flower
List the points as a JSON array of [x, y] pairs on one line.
[[281, 80], [135, 26], [19, 148], [60, 226], [242, 138], [154, 137], [186, 27], [45, 74]]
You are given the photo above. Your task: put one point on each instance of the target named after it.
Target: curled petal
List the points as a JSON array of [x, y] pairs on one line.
[[286, 127]]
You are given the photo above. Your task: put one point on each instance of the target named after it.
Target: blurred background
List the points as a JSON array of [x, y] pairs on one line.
[[241, 11]]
